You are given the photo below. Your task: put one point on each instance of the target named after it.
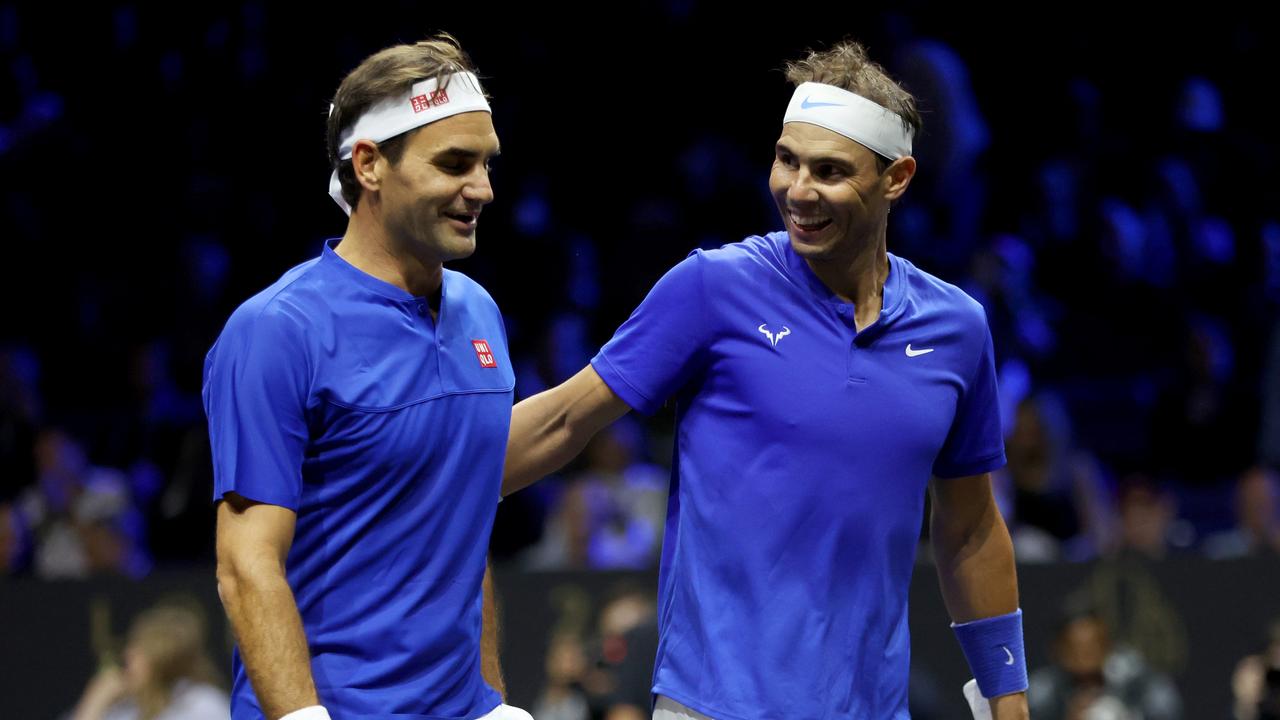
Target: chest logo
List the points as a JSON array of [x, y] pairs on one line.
[[484, 353], [774, 338], [916, 353]]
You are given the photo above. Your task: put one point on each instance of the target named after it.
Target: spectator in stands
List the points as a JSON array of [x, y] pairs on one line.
[[1092, 680], [1257, 510], [1255, 685], [166, 675]]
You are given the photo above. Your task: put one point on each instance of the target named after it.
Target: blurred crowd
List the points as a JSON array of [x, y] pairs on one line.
[[1124, 241], [1118, 219]]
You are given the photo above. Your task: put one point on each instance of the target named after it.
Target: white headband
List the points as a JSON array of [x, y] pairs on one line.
[[853, 116], [421, 105]]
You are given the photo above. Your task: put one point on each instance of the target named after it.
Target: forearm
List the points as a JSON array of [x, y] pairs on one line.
[[90, 709], [976, 572], [539, 442], [268, 629], [975, 566], [95, 701], [490, 661], [552, 428]]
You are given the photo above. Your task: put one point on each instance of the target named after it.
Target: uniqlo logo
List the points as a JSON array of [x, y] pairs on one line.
[[484, 353], [424, 102]]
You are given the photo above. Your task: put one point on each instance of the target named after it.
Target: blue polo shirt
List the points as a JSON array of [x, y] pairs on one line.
[[803, 452], [336, 395]]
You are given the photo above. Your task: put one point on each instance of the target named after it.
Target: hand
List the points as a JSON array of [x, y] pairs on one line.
[[1010, 707], [1248, 683], [103, 691]]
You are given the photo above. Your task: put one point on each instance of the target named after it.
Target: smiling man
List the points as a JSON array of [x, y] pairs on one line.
[[358, 412], [822, 386]]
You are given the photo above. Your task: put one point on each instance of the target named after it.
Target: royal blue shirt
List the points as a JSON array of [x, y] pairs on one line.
[[336, 395], [803, 453]]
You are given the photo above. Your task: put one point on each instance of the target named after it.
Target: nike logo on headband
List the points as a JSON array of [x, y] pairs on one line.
[[805, 104]]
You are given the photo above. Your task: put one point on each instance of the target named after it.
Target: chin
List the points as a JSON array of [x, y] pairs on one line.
[[809, 250], [446, 244], [459, 249]]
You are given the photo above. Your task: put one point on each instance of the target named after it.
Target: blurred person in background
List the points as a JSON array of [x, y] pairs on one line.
[[1052, 489], [628, 642], [1257, 518], [1091, 679], [563, 698], [1149, 527], [166, 674], [608, 515], [82, 516], [14, 541], [1255, 685]]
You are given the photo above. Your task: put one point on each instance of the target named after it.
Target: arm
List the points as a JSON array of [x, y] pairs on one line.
[[490, 663], [975, 561], [253, 540], [551, 428], [104, 690], [650, 357]]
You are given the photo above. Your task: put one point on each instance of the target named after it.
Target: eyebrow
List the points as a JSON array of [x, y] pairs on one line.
[[831, 159], [466, 153]]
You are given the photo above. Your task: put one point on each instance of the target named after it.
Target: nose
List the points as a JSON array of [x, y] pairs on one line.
[[478, 189], [801, 191]]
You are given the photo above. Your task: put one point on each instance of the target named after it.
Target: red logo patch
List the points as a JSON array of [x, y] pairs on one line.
[[425, 102], [484, 353]]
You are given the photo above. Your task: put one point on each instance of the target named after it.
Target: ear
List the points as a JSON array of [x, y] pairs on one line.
[[368, 163], [898, 176]]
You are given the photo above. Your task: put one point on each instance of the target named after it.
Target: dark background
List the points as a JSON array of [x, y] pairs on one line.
[[1104, 183]]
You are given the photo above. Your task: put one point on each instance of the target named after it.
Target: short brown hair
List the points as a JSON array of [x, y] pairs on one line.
[[386, 74], [847, 66]]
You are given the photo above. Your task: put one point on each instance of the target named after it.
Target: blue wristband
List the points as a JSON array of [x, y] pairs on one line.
[[993, 647]]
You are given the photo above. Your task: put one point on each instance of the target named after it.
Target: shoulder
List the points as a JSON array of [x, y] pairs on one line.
[[752, 252], [280, 311], [730, 266], [934, 295], [469, 291]]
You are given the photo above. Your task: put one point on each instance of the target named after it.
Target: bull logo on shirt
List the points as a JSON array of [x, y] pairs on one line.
[[773, 339]]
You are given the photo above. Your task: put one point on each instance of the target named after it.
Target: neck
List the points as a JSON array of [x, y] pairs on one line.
[[368, 246], [859, 277]]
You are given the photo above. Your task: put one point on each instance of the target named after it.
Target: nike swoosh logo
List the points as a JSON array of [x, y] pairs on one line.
[[916, 353], [805, 104], [1006, 651]]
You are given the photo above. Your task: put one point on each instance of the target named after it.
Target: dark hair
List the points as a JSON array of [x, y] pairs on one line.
[[847, 66], [383, 75]]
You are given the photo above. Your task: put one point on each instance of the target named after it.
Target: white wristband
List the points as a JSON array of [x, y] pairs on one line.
[[314, 712], [978, 705]]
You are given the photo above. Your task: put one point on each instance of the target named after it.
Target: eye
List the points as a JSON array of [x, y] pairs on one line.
[[828, 172], [786, 158]]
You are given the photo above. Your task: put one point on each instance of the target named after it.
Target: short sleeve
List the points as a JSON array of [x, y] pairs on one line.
[[975, 443], [660, 346], [255, 396]]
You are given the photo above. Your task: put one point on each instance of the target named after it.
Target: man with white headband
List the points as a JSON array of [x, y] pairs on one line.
[[821, 385], [358, 412]]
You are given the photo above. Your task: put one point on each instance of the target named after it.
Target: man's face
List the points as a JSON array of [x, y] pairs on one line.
[[433, 196], [828, 189], [1082, 648]]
